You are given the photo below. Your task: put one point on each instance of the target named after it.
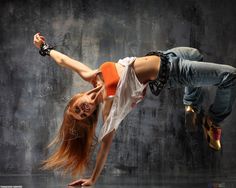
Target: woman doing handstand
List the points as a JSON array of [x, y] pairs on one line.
[[119, 87]]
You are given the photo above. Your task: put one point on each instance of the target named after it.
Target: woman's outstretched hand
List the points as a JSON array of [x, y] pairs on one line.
[[82, 182], [38, 40]]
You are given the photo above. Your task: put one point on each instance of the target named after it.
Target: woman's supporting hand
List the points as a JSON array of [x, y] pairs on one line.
[[38, 40], [82, 182]]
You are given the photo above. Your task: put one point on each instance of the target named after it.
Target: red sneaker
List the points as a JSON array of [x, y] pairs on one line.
[[212, 133]]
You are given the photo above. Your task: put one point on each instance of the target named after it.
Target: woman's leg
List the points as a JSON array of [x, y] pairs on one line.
[[186, 53], [192, 95], [196, 74]]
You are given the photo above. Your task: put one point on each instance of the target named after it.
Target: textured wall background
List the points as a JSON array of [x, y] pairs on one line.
[[34, 90]]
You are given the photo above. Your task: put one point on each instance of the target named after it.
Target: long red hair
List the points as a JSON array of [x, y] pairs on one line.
[[74, 142]]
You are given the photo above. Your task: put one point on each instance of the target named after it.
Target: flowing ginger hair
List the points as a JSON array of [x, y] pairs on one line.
[[74, 142]]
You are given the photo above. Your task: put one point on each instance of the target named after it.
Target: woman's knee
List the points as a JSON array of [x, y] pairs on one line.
[[196, 53], [188, 53], [229, 77]]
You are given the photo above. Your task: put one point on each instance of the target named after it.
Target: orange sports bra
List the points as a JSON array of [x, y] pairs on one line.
[[110, 77]]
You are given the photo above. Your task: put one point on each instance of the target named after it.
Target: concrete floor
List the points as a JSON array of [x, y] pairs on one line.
[[157, 181]]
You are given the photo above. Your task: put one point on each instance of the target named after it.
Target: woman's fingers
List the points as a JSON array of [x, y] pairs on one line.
[[35, 41], [77, 182], [81, 182], [86, 184], [38, 40], [42, 38], [35, 37]]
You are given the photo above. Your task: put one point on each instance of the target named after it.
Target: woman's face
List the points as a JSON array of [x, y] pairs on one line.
[[85, 105]]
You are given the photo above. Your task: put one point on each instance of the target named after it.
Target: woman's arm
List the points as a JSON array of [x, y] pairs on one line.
[[83, 70], [102, 153], [100, 161], [63, 60]]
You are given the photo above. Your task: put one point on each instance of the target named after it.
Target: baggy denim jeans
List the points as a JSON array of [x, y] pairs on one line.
[[188, 70]]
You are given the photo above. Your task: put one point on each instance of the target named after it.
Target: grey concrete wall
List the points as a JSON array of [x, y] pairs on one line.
[[34, 90]]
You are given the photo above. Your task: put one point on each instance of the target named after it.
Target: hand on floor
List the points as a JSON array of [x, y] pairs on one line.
[[82, 182]]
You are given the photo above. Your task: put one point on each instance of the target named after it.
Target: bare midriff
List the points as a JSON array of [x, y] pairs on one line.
[[146, 68]]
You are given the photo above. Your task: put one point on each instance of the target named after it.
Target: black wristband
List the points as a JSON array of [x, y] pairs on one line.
[[45, 49]]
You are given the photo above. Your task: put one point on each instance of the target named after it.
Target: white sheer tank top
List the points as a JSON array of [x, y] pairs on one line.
[[129, 92]]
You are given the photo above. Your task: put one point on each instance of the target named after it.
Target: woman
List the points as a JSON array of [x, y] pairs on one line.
[[119, 87]]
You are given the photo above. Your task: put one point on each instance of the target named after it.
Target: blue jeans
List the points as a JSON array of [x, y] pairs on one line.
[[188, 70]]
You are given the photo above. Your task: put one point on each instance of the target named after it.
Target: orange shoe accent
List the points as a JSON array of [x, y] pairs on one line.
[[190, 118], [193, 118], [212, 134], [110, 76]]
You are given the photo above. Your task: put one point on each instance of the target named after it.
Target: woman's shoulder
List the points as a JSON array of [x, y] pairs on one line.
[[97, 78]]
